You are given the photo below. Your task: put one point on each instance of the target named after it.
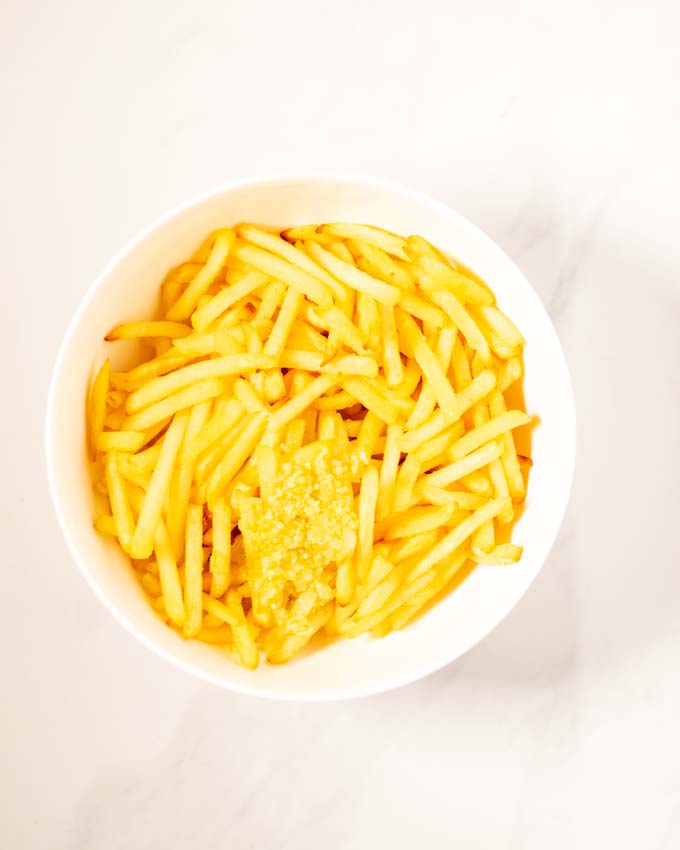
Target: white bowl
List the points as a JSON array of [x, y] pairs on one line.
[[128, 289]]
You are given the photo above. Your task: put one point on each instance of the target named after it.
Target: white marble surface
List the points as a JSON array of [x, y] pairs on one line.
[[553, 126]]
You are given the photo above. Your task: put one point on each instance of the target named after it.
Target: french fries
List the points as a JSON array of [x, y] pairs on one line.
[[321, 440]]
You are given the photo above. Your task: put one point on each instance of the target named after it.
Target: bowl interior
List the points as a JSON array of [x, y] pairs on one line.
[[128, 290]]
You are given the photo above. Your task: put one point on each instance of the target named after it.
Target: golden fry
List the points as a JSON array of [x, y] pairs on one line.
[[97, 404], [193, 569], [142, 541], [141, 330], [168, 406], [169, 575], [279, 269], [383, 239], [330, 397], [120, 505], [368, 498], [160, 388], [354, 277], [185, 304]]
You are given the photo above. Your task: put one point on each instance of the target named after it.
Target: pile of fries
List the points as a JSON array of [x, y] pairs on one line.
[[318, 438]]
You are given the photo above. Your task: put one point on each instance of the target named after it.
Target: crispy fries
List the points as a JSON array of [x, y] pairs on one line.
[[321, 440]]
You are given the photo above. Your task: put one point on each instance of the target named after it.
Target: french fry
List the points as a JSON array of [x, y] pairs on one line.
[[304, 336], [418, 247], [280, 269], [388, 471], [120, 441], [245, 645], [180, 484], [274, 386], [345, 582], [511, 467], [193, 569], [106, 524], [406, 548], [439, 496], [341, 251], [463, 287], [489, 431], [218, 305], [484, 539], [222, 421], [218, 610], [159, 388], [455, 538], [432, 453], [383, 239], [509, 372], [235, 457], [284, 322], [501, 555], [423, 310], [429, 365], [168, 406], [459, 316], [391, 358], [501, 491], [142, 541], [501, 326], [378, 263], [120, 505], [142, 330], [368, 497], [305, 232], [295, 256], [417, 520], [449, 567], [185, 304], [272, 296], [301, 401], [295, 434], [133, 379], [220, 559], [169, 575], [368, 320], [249, 398], [201, 343], [353, 277], [427, 400], [97, 404], [479, 388], [293, 643], [151, 585], [477, 482], [455, 471], [406, 479], [344, 329], [372, 398]]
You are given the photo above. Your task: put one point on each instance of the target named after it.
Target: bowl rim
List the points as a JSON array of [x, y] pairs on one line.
[[438, 661]]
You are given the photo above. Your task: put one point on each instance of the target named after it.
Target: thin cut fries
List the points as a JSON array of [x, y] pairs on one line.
[[284, 271], [322, 439], [220, 367], [142, 541], [353, 277], [139, 330], [193, 583], [97, 405], [161, 410], [389, 242], [185, 304]]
